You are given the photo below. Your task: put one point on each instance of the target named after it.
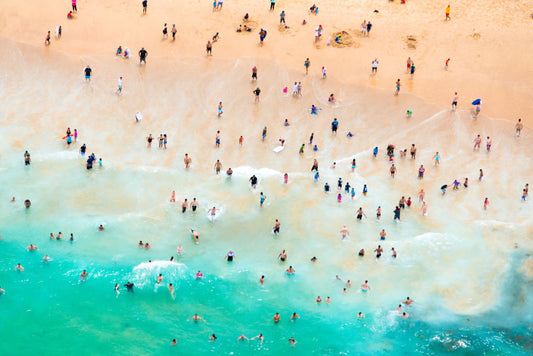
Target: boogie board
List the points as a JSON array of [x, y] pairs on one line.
[[278, 149]]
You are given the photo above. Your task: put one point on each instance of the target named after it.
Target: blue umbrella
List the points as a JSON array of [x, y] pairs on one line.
[[477, 101]]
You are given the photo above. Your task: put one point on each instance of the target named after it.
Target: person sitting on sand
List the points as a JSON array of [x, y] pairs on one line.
[[332, 99], [215, 37], [70, 15], [119, 51], [246, 17], [314, 110]]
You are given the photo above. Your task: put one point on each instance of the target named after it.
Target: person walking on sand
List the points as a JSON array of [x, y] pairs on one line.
[[74, 6], [119, 90], [307, 64], [397, 87], [142, 55], [375, 66], [518, 127], [282, 17], [454, 101], [165, 31], [486, 203], [145, 5], [208, 48], [47, 39], [477, 142], [254, 73], [88, 71], [256, 92], [448, 13], [409, 63], [262, 35], [272, 5], [447, 64], [174, 31], [220, 112]]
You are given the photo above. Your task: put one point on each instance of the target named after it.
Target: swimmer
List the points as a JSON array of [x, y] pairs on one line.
[[314, 259], [179, 250], [260, 337], [294, 316], [362, 252], [13, 199], [195, 235], [46, 259], [171, 289], [32, 247], [196, 318], [344, 232], [58, 237], [184, 206], [282, 256], [83, 275], [262, 280], [276, 318], [173, 342], [404, 315], [408, 301], [318, 300], [140, 244], [129, 287], [290, 270], [101, 227], [19, 268], [360, 315], [292, 341], [147, 246], [2, 291], [199, 275], [365, 287], [394, 255], [212, 338], [159, 278], [328, 300], [399, 308], [71, 237], [116, 288], [229, 256], [242, 337]]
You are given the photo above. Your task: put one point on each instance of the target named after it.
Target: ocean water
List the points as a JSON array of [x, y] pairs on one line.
[[464, 267]]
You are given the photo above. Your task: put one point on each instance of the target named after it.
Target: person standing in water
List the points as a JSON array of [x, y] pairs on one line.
[[276, 227], [262, 199]]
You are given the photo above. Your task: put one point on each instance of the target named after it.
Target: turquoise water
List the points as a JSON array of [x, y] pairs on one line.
[[463, 266], [47, 308]]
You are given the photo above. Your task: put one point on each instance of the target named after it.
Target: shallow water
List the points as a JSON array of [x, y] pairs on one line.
[[462, 265]]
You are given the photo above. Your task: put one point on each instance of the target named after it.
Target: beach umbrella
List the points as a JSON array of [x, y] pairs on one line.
[[477, 101]]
